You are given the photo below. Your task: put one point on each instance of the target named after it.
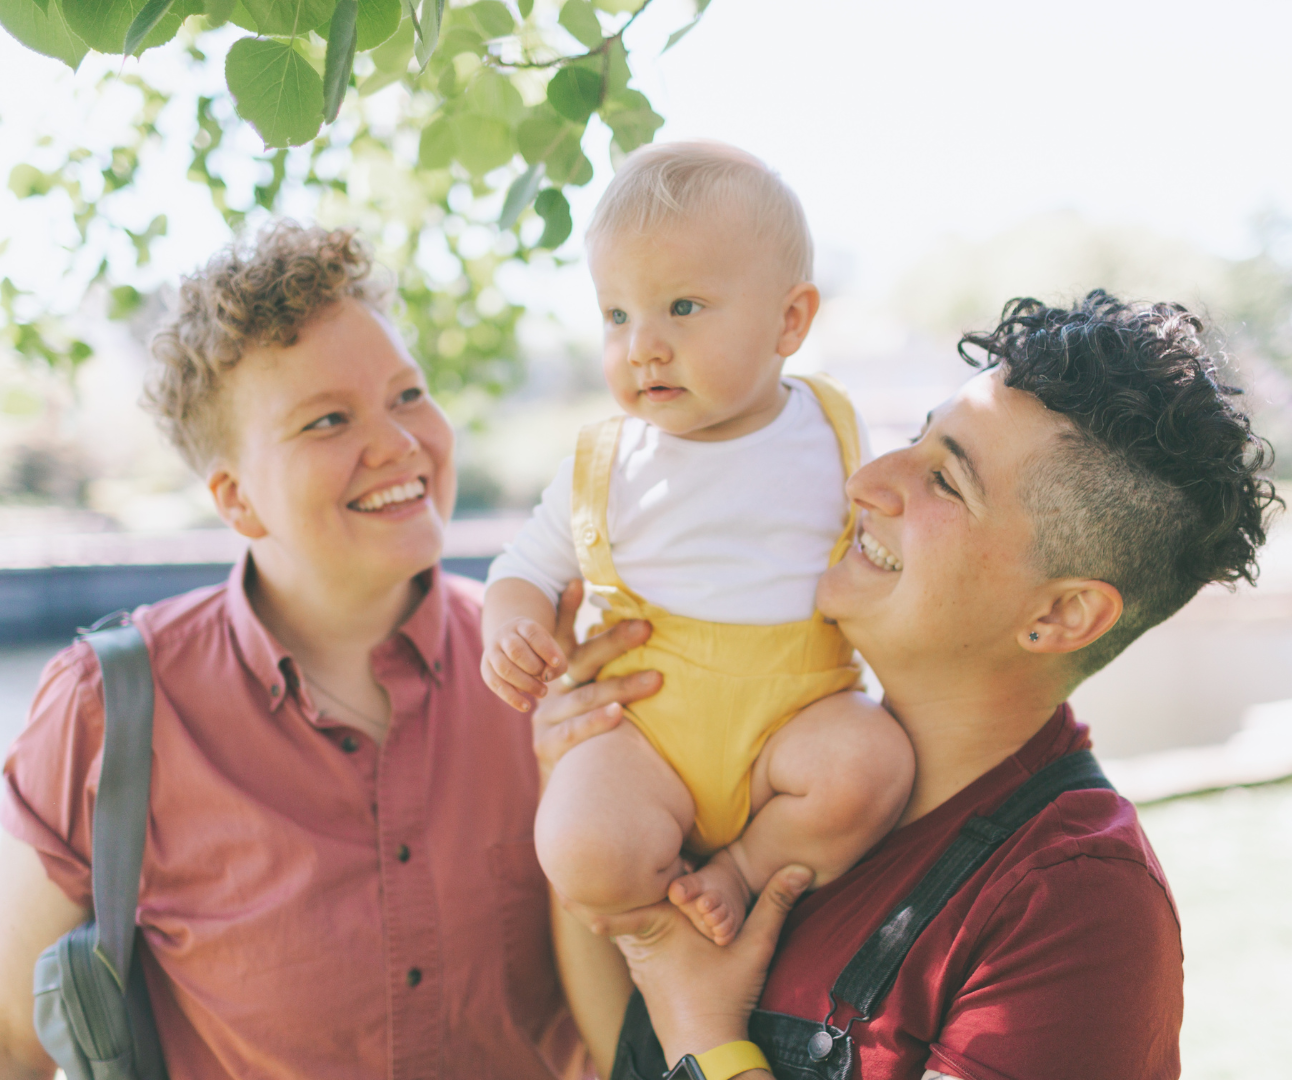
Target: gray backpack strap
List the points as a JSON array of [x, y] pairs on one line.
[[121, 808]]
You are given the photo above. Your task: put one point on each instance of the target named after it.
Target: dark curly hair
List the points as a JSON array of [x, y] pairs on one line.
[[258, 293], [1157, 486]]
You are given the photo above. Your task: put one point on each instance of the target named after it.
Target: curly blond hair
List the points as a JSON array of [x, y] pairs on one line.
[[250, 294]]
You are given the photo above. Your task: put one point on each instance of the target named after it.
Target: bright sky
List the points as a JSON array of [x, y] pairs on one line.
[[896, 123]]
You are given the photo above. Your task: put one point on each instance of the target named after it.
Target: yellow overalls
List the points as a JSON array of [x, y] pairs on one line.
[[727, 686]]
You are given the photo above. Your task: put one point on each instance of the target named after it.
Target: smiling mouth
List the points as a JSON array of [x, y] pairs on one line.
[[878, 554], [395, 495]]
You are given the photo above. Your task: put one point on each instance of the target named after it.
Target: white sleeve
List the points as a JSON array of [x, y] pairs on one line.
[[543, 552]]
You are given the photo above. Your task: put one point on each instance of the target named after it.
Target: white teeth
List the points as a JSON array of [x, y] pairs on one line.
[[414, 489], [878, 554]]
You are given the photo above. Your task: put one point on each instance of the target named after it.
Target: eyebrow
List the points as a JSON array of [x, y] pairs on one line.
[[971, 470]]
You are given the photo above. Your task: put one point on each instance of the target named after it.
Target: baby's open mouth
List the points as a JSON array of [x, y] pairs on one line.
[[391, 496], [878, 554]]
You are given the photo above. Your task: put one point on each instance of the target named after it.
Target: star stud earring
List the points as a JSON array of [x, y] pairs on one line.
[[1034, 636]]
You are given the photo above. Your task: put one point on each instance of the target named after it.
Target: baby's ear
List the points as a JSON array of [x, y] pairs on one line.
[[801, 305]]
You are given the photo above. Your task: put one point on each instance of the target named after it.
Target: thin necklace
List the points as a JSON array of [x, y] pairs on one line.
[[343, 703]]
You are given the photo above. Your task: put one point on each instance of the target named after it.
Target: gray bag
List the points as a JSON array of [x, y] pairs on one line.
[[92, 1010]]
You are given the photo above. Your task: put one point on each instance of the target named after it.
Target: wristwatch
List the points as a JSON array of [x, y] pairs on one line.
[[721, 1063]]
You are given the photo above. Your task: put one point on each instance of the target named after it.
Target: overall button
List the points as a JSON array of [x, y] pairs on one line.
[[820, 1045], [402, 853], [414, 976]]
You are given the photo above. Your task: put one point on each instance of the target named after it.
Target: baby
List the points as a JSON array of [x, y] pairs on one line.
[[710, 510]]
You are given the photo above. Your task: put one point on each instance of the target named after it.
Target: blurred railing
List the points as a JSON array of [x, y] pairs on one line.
[[51, 584]]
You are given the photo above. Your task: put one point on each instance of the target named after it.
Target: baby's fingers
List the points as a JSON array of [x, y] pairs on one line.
[[544, 649], [510, 675]]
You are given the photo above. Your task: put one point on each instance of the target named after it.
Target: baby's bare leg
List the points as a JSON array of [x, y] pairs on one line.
[[826, 788], [610, 828]]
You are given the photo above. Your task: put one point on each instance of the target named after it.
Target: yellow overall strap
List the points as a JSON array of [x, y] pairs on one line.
[[593, 462], [838, 410]]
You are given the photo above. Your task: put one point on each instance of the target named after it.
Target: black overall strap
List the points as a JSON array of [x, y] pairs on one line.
[[871, 972], [121, 805]]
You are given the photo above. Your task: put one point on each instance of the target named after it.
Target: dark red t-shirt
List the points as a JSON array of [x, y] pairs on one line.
[[1059, 959]]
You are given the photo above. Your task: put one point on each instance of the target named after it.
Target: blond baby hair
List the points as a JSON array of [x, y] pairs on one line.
[[662, 184]]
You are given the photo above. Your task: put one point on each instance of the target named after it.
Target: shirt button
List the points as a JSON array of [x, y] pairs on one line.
[[349, 744], [414, 976], [403, 854], [589, 535]]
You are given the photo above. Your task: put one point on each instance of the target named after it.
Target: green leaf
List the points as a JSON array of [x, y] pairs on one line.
[[629, 115], [103, 26], [459, 39], [541, 136], [124, 301], [340, 56], [428, 31], [525, 7], [240, 16], [390, 59], [45, 32], [520, 195], [483, 143], [575, 93], [276, 90], [553, 208], [491, 94], [219, 12], [617, 71], [579, 18], [27, 180], [436, 147], [492, 18], [289, 17], [378, 19], [149, 16], [619, 7]]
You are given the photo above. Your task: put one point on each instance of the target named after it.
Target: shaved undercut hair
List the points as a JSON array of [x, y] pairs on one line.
[[664, 184], [1155, 486]]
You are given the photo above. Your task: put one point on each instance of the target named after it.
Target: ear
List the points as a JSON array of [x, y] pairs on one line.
[[801, 305], [1082, 611], [232, 505]]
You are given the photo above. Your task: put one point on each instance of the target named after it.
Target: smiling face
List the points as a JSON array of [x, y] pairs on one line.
[[699, 318], [341, 464], [942, 573]]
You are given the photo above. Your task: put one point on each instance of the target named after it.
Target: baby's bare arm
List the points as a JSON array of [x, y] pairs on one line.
[[521, 655]]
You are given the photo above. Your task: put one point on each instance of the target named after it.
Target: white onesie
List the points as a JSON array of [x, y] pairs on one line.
[[730, 532]]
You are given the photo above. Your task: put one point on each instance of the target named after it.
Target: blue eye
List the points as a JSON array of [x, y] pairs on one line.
[[618, 317], [334, 419], [682, 307]]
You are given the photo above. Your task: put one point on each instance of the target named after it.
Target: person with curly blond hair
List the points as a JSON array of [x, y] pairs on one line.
[[339, 877]]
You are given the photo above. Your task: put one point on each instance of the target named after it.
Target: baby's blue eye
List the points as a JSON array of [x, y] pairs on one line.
[[618, 317], [683, 307]]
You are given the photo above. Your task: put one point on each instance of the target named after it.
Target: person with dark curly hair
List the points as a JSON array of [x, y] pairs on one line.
[[1016, 923]]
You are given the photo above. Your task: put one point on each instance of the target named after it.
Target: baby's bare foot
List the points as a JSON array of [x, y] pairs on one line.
[[715, 898]]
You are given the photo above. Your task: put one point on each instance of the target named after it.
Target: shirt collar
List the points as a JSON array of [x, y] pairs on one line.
[[273, 666]]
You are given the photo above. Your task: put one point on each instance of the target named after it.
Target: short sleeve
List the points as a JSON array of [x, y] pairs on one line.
[[51, 774], [1079, 974], [543, 551]]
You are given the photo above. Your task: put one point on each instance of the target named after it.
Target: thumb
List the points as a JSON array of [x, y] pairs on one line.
[[774, 903]]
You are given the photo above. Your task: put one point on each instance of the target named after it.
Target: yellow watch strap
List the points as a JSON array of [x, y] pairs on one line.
[[731, 1059]]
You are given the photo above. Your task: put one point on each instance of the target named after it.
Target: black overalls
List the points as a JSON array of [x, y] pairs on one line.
[[801, 1049]]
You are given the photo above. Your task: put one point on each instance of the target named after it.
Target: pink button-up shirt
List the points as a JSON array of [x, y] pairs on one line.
[[313, 904]]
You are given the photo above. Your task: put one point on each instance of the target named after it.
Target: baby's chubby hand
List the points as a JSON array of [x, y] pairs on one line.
[[520, 661]]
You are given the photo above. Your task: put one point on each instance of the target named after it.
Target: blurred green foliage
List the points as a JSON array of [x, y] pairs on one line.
[[497, 99]]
